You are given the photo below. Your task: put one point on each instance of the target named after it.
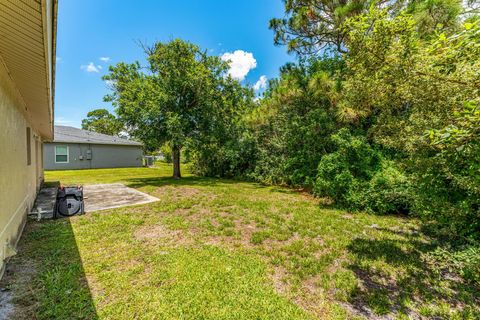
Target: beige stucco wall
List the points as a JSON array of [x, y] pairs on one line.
[[18, 181]]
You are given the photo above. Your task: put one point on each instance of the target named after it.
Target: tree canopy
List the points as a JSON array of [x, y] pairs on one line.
[[183, 96], [102, 121], [310, 26]]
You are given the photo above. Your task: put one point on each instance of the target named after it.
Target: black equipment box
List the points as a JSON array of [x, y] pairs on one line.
[[69, 202]]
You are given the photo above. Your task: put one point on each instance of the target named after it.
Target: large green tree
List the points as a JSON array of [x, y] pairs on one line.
[[309, 26], [102, 121], [404, 84], [181, 97]]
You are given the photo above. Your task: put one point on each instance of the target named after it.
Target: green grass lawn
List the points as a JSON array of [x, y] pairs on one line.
[[223, 249]]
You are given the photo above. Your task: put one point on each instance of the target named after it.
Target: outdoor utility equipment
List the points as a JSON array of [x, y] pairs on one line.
[[69, 202], [149, 161]]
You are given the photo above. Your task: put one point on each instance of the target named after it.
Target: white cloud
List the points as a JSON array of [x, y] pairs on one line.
[[240, 62], [104, 59], [91, 67], [260, 84]]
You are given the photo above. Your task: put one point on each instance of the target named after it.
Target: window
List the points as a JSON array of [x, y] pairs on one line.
[[29, 147], [61, 154]]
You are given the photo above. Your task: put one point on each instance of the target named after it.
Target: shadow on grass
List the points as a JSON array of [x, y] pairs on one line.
[[186, 181], [47, 278], [413, 282]]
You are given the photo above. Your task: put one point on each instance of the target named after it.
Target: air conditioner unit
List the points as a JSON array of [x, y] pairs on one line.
[[69, 202]]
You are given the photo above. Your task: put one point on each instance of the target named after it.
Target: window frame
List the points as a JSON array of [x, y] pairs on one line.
[[68, 154]]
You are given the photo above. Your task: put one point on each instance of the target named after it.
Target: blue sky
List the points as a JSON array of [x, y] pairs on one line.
[[91, 35]]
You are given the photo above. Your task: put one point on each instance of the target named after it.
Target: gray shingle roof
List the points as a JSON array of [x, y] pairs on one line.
[[75, 135]]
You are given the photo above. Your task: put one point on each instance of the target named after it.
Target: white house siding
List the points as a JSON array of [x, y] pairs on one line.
[[18, 180]]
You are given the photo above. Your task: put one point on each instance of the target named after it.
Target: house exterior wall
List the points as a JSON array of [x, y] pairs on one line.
[[19, 181], [108, 156], [102, 156]]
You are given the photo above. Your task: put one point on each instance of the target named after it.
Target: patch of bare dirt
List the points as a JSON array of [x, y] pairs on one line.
[[362, 310], [279, 278], [217, 240], [215, 223], [96, 289], [275, 243], [183, 192], [244, 230], [309, 296], [7, 308], [312, 298], [182, 212], [166, 190], [194, 215], [161, 233], [16, 299], [302, 195], [225, 214]]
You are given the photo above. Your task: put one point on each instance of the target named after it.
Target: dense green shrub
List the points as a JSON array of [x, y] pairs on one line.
[[343, 173], [294, 121], [357, 176], [290, 147], [389, 191], [408, 86], [447, 176], [234, 158]]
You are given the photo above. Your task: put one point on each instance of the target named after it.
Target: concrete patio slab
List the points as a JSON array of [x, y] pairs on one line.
[[113, 195]]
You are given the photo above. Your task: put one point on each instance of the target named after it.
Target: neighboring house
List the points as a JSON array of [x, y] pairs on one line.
[[27, 73], [75, 148]]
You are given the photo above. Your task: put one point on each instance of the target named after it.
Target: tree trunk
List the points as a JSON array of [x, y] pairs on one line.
[[176, 162]]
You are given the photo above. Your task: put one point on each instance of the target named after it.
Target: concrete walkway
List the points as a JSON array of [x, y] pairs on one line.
[[45, 203]]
